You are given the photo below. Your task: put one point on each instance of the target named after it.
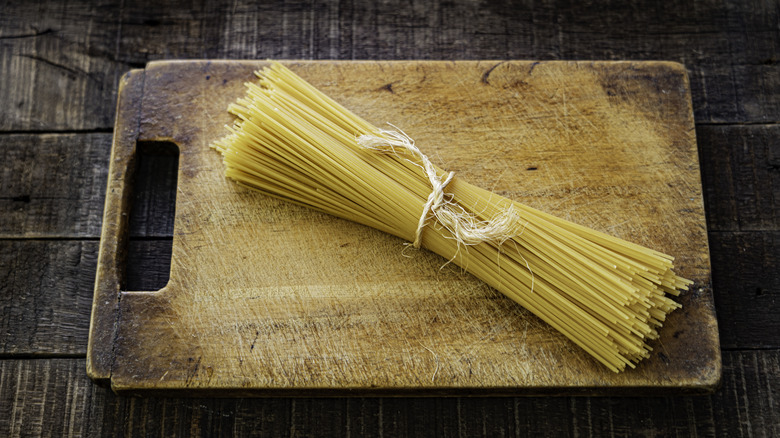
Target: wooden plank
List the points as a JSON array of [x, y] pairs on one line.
[[700, 416], [709, 33], [747, 188], [739, 170], [746, 371], [744, 270], [53, 186], [53, 280], [48, 290], [148, 264], [153, 200], [55, 397], [79, 49], [59, 65], [45, 296], [747, 288], [49, 397], [738, 193], [147, 317], [730, 52], [741, 176]]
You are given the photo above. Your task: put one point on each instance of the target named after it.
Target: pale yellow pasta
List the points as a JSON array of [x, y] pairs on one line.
[[607, 295]]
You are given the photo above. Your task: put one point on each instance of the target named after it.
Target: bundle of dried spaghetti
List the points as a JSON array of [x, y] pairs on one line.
[[291, 141]]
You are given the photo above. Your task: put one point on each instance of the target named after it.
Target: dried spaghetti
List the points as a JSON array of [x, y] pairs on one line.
[[607, 295]]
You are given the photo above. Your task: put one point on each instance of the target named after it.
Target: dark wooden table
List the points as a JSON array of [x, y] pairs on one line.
[[60, 64]]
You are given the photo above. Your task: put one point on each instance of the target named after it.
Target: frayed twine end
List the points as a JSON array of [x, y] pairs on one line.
[[465, 227]]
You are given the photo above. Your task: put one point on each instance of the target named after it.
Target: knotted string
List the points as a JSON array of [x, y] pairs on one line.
[[466, 228]]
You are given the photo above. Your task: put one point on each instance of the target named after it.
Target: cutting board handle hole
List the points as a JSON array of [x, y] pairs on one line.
[[152, 212]]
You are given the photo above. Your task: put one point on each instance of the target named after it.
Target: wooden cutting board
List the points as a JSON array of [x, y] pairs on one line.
[[268, 298]]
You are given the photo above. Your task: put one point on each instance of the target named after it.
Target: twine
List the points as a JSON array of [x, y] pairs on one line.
[[465, 227]]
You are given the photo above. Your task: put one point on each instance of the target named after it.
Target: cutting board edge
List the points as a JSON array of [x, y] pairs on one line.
[[104, 317], [706, 385]]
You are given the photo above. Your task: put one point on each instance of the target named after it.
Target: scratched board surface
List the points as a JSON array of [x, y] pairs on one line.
[[266, 297]]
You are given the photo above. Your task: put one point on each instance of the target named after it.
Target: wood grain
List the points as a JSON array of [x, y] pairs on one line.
[[45, 296], [54, 397], [745, 291], [62, 57], [49, 397], [689, 416], [115, 224], [244, 309], [741, 173], [52, 186], [730, 49], [80, 49], [148, 264], [745, 276]]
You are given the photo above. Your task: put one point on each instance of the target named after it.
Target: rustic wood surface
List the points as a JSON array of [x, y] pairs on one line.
[[268, 297], [61, 64]]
